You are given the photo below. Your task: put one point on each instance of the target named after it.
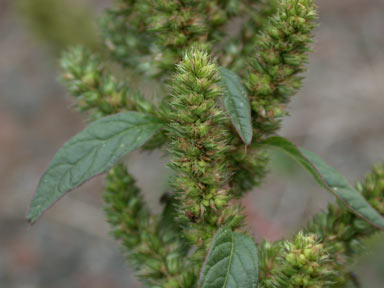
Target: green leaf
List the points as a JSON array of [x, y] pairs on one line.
[[232, 262], [236, 103], [330, 179], [91, 152]]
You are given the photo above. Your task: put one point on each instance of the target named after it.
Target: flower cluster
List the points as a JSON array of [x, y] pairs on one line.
[[154, 44], [281, 53], [278, 55], [95, 88], [302, 262], [199, 143], [154, 246]]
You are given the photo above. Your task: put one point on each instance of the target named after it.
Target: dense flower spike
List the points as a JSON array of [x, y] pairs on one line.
[[199, 136], [97, 90], [302, 262], [153, 45], [153, 246], [173, 26], [281, 55], [199, 143]]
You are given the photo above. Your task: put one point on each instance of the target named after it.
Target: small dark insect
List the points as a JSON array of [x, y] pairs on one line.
[[165, 197], [191, 216]]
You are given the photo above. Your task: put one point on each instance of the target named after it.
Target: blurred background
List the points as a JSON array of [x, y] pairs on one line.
[[338, 114]]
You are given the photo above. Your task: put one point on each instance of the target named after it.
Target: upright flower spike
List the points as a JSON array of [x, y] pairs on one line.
[[280, 57], [199, 138], [281, 54], [154, 248]]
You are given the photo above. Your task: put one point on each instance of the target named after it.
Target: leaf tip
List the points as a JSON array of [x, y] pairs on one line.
[[248, 141], [30, 217]]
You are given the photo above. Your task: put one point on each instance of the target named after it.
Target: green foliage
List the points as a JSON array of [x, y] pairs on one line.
[[99, 93], [232, 261], [345, 230], [216, 153], [329, 179], [236, 103], [91, 152]]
